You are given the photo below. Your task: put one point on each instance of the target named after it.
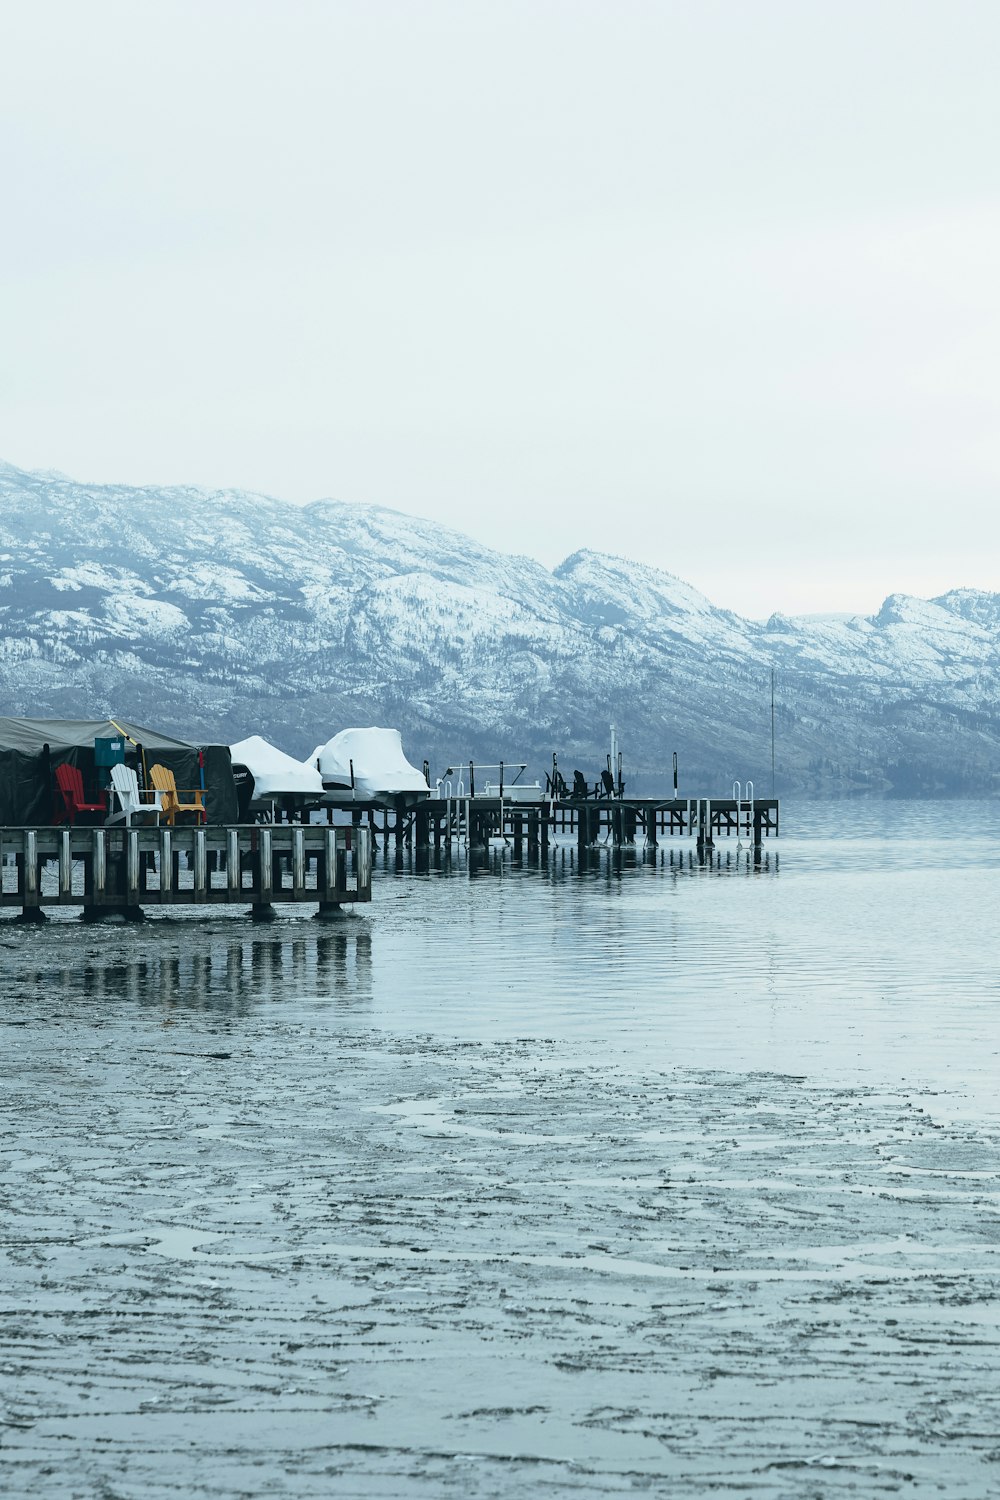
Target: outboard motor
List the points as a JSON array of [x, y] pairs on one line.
[[244, 783]]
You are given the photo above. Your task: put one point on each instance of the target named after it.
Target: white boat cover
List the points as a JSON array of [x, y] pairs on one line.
[[274, 773], [379, 762]]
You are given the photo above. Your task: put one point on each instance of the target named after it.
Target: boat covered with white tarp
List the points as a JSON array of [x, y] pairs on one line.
[[274, 778], [370, 762]]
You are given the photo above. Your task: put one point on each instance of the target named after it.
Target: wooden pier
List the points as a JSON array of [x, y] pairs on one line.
[[122, 870], [613, 820]]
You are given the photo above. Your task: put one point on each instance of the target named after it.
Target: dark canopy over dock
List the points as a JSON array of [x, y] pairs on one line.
[[30, 750]]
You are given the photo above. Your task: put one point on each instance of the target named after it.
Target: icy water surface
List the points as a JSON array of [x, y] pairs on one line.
[[651, 1178]]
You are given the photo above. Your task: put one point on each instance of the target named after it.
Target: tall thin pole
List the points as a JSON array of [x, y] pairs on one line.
[[772, 731]]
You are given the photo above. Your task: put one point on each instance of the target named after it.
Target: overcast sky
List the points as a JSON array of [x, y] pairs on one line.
[[710, 283]]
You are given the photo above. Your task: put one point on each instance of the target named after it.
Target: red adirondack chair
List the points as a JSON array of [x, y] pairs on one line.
[[70, 786]]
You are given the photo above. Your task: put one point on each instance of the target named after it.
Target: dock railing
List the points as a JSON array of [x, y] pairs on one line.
[[116, 867]]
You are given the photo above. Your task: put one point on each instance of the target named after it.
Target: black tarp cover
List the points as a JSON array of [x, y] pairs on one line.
[[27, 769]]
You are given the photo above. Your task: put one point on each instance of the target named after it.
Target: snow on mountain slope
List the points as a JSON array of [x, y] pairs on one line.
[[226, 613], [616, 583]]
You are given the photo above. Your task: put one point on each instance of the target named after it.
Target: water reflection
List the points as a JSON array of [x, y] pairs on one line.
[[200, 970], [869, 946], [606, 861]]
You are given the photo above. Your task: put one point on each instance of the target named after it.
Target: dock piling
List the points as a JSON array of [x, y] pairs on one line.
[[65, 866], [200, 865]]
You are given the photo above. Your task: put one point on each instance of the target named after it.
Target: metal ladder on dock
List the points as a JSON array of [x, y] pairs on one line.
[[742, 802], [456, 814]]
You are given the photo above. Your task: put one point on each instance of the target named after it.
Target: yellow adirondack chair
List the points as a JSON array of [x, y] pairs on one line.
[[163, 781]]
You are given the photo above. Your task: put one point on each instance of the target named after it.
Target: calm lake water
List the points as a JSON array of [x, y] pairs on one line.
[[861, 948], [648, 1176]]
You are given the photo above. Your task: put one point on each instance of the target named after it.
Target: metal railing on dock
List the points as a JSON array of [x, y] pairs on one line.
[[127, 868]]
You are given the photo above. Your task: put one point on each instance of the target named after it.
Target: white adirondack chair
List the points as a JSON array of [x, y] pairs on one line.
[[131, 802]]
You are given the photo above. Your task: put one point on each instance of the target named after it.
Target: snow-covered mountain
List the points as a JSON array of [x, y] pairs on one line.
[[220, 614]]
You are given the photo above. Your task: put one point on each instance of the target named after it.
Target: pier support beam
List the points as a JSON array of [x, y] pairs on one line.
[[29, 879], [422, 820], [705, 841]]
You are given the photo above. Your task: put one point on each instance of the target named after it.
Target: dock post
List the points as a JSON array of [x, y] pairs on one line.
[[532, 835], [99, 858], [298, 863], [517, 829], [628, 818], [477, 834], [166, 864], [650, 822], [582, 829], [262, 910], [200, 865], [422, 819], [327, 881], [705, 841], [65, 866], [234, 874], [362, 865], [97, 884], [279, 860], [544, 833], [31, 910], [132, 893]]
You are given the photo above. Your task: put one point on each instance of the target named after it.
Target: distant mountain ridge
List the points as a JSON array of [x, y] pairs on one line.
[[220, 613]]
